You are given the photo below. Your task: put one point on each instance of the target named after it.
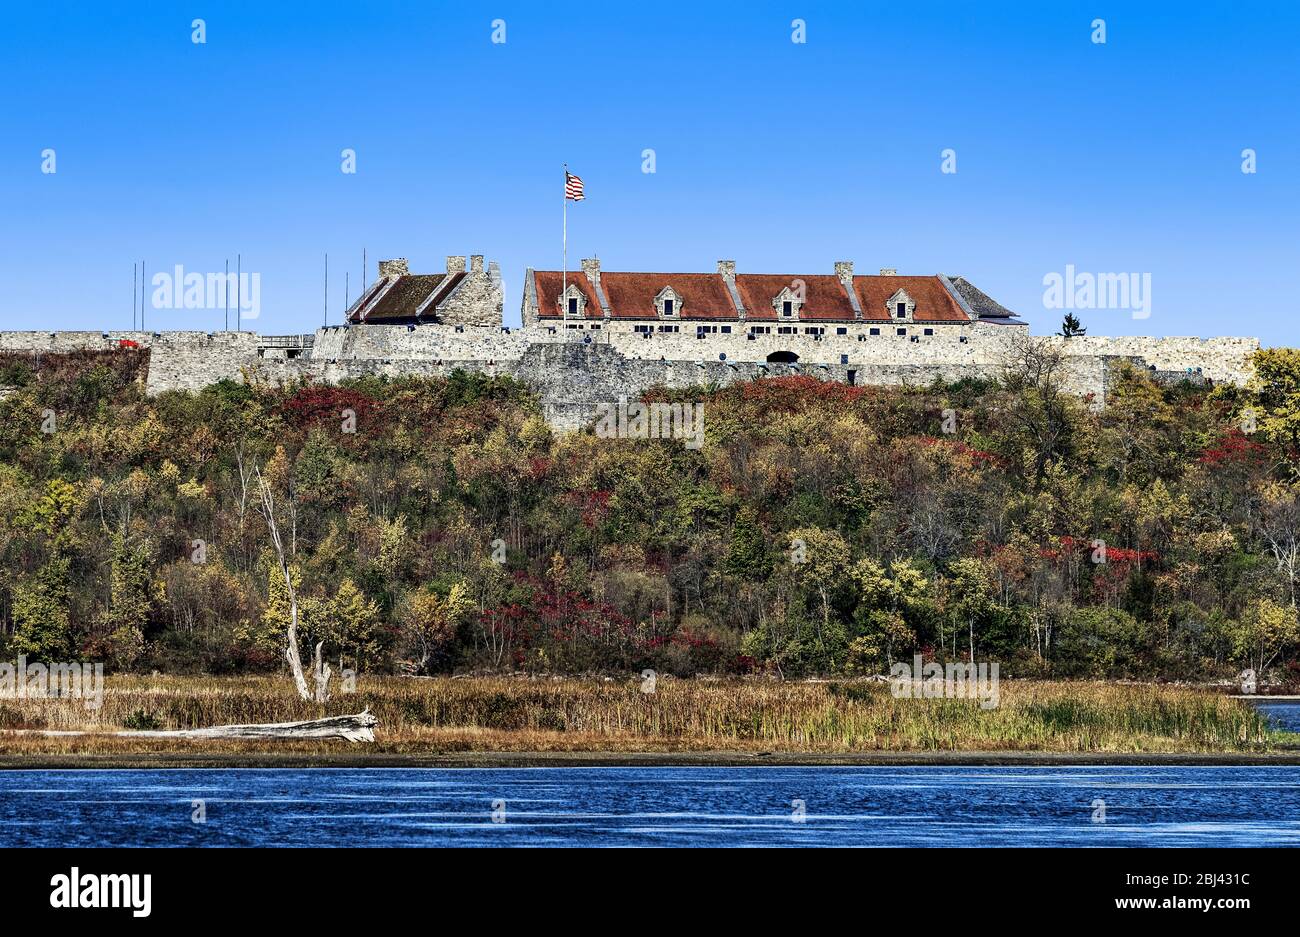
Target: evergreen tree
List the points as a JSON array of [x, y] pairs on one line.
[[1071, 326]]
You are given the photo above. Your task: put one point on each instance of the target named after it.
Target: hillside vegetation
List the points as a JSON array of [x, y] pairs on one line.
[[821, 529]]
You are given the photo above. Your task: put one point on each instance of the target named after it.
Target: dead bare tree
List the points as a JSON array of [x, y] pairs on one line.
[[320, 670], [1033, 371]]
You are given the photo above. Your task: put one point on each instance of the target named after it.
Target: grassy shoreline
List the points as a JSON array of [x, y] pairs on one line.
[[486, 721]]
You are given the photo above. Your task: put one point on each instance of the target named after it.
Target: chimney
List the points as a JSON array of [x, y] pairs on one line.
[[889, 271], [393, 268], [727, 269], [591, 267], [475, 263], [455, 264], [844, 270]]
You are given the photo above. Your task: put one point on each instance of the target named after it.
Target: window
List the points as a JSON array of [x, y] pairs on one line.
[[929, 331], [726, 330], [668, 303], [787, 308], [902, 310], [844, 359], [573, 305], [786, 330], [902, 331], [841, 331], [875, 331]]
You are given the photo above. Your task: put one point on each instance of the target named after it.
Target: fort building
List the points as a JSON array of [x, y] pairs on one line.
[[591, 336]]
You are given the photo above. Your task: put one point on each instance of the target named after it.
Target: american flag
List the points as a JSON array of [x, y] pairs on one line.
[[573, 187]]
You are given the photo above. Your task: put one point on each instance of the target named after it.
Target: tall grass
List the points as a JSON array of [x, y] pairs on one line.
[[497, 713]]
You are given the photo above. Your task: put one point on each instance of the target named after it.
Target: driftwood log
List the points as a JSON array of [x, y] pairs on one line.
[[357, 728]]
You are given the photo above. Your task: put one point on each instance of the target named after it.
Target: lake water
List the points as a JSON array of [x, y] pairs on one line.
[[676, 806], [1285, 714]]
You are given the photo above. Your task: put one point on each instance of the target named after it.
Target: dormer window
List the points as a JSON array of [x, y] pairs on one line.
[[573, 302], [787, 304], [901, 307], [668, 304]]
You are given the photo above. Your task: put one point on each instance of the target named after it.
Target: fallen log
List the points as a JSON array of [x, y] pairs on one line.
[[357, 728]]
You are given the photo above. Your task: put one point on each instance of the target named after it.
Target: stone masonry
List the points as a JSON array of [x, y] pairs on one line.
[[575, 365]]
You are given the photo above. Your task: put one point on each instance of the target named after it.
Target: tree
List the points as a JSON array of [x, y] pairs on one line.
[[747, 557], [1265, 631], [430, 622], [1038, 413], [1279, 525], [41, 613], [1070, 326], [970, 599], [353, 622], [320, 670], [1276, 388], [129, 599]]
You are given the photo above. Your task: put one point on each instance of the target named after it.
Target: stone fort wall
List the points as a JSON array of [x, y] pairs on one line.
[[574, 370]]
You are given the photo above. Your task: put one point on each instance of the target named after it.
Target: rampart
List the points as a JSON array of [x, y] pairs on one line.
[[573, 371]]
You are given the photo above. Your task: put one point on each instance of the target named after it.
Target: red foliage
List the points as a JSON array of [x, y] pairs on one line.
[[319, 405], [1233, 448], [594, 505], [127, 343], [556, 614], [1115, 556], [797, 392]]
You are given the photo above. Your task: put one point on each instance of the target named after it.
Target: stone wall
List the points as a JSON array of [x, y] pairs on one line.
[[478, 300], [573, 370]]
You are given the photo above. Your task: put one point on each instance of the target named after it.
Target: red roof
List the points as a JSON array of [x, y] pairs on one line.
[[823, 296], [549, 289], [933, 301], [706, 296]]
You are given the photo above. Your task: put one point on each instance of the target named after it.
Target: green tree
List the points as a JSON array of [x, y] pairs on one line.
[[1071, 326], [41, 613], [129, 599], [1264, 632], [748, 557]]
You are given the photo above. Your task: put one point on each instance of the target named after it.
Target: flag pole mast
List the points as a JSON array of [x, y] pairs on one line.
[[564, 277]]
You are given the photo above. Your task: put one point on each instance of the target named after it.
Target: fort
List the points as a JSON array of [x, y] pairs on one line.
[[590, 337]]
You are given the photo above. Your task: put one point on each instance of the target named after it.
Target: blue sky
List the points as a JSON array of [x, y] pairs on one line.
[[1115, 157]]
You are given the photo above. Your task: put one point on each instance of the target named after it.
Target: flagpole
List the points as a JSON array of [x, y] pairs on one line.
[[564, 277]]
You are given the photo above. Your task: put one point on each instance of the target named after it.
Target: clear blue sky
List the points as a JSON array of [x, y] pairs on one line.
[[1123, 157]]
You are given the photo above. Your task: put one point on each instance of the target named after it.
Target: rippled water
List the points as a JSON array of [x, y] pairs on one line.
[[1285, 714], [678, 806]]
